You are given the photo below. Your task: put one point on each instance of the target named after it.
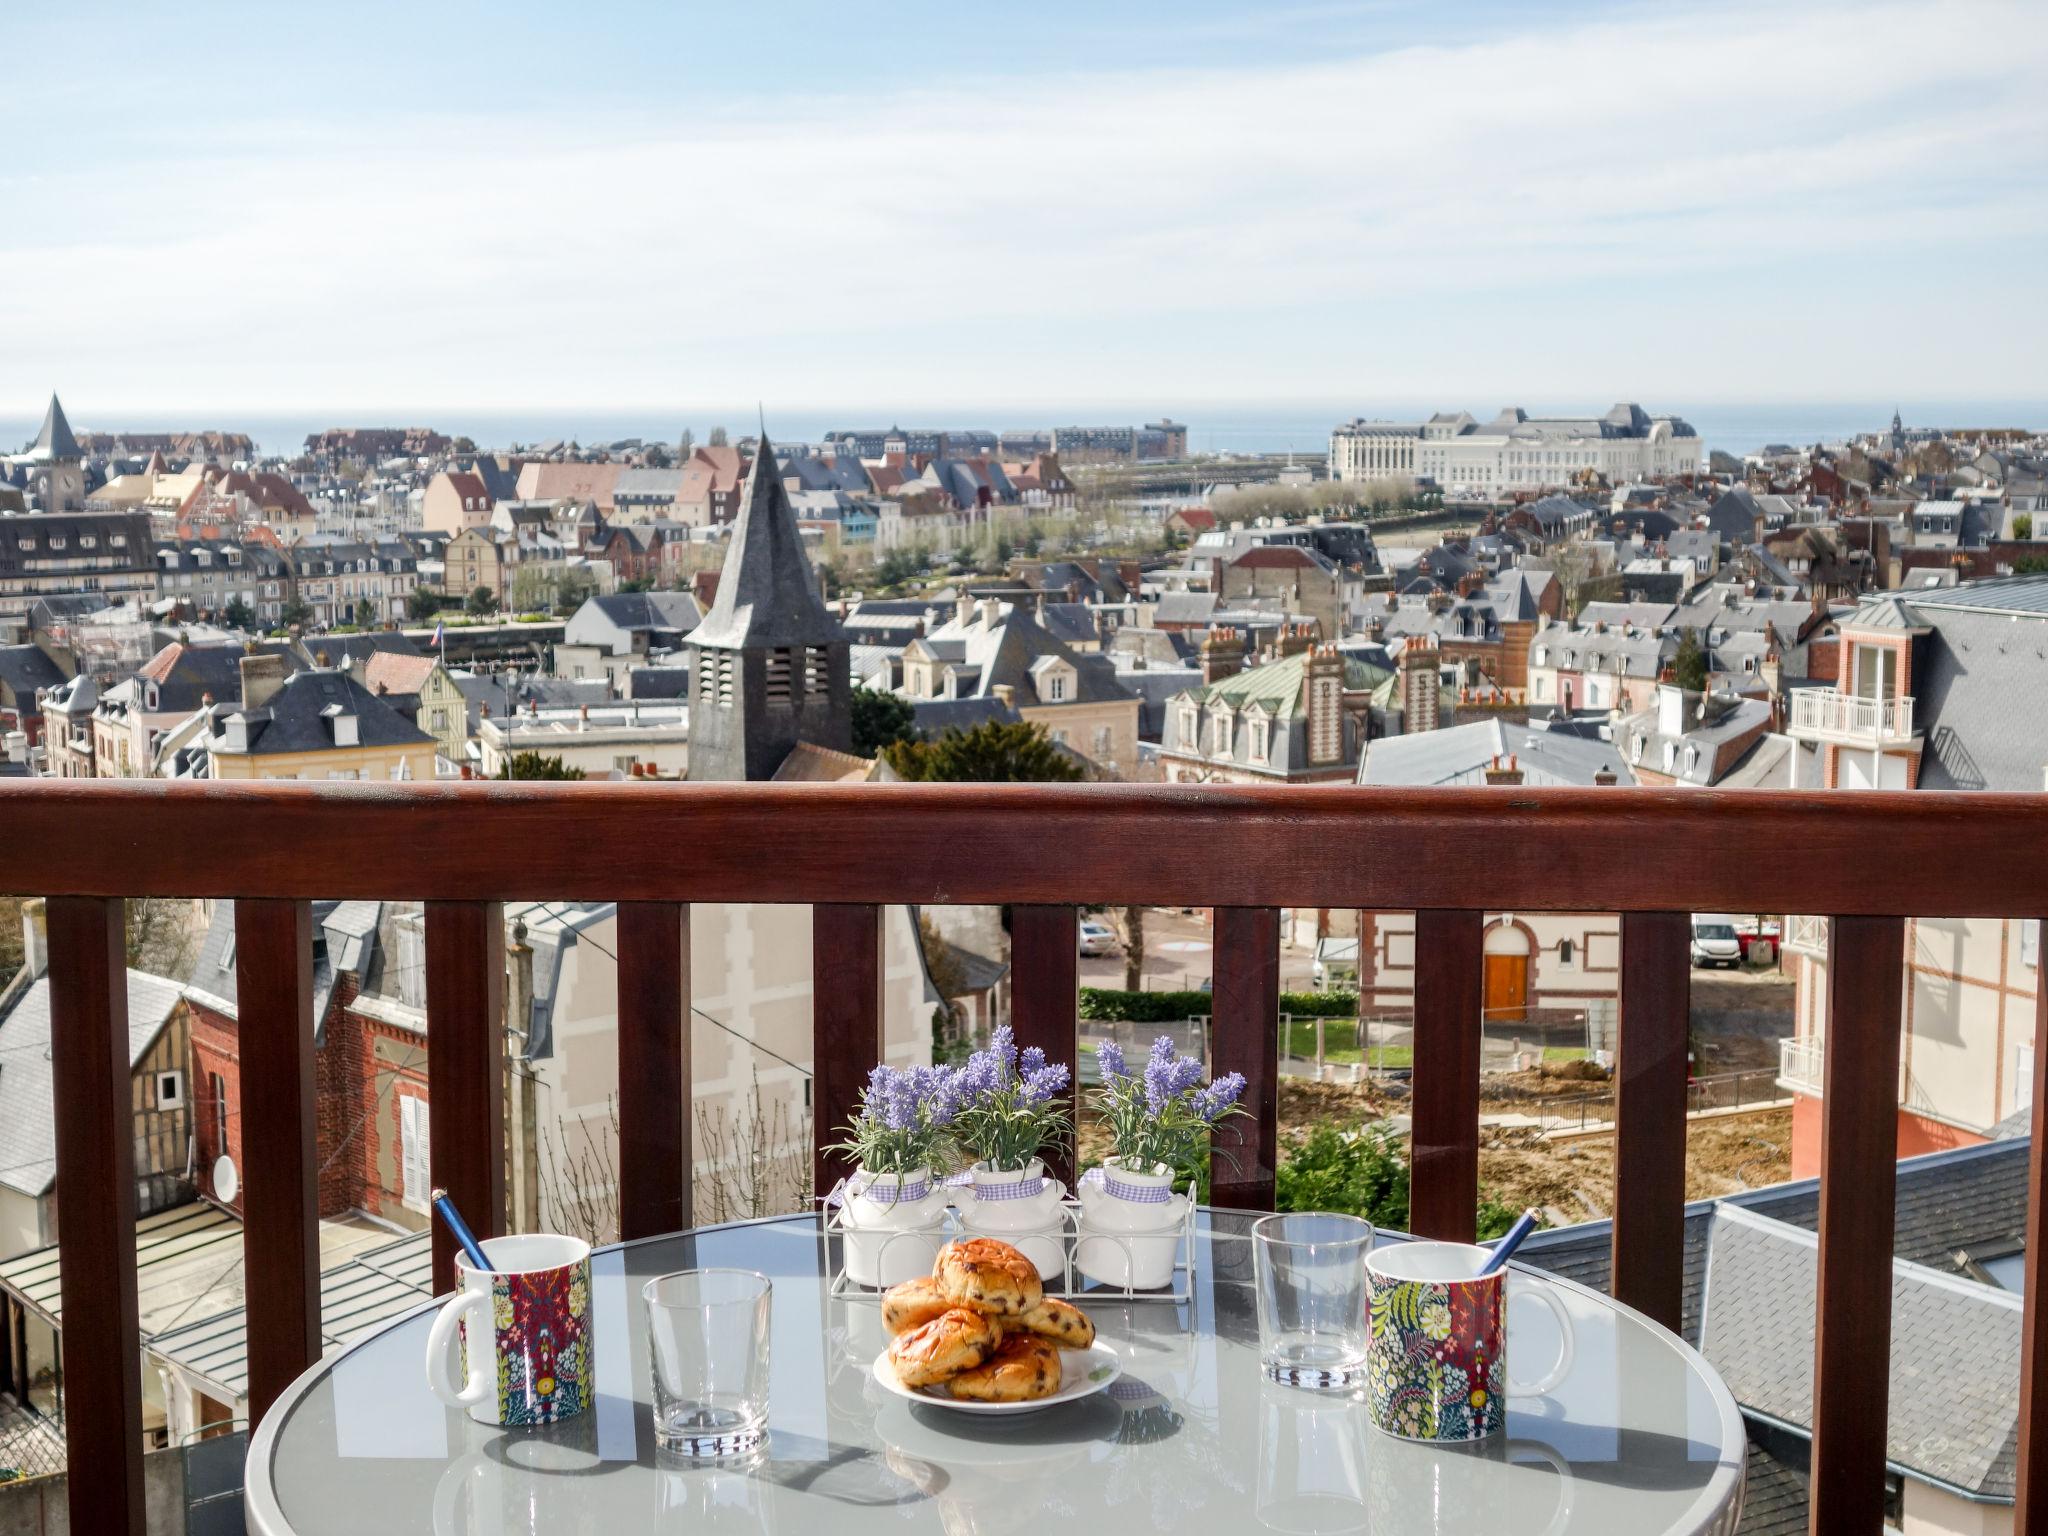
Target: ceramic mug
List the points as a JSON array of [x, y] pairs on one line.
[[1436, 1365], [523, 1329]]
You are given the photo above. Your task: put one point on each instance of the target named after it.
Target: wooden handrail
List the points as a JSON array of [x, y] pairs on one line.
[[1871, 860], [1539, 850]]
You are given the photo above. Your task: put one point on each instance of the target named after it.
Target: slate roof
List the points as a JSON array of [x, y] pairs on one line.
[[1460, 754], [1747, 1304], [1008, 650], [1984, 656], [55, 441], [767, 591], [28, 1125], [1184, 608], [676, 611], [507, 691], [936, 715], [296, 718], [343, 943], [24, 669], [184, 674]]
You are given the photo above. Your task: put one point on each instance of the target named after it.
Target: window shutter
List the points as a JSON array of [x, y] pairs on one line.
[[414, 1163]]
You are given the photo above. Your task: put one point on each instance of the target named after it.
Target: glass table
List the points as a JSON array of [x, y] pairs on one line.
[[1641, 1437]]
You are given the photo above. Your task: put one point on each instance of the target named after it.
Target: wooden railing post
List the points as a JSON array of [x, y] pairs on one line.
[[1444, 1160], [466, 1068], [90, 1076], [1649, 1114], [1045, 970], [654, 1068], [1858, 1181], [846, 1023], [1245, 1030], [2030, 1513], [280, 1174]]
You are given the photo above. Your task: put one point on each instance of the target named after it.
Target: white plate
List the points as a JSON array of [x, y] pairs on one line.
[[1083, 1373]]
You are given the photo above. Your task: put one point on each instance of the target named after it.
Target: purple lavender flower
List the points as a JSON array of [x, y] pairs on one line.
[[1033, 1060], [1109, 1056], [1213, 1100], [1042, 1084], [1168, 1075]]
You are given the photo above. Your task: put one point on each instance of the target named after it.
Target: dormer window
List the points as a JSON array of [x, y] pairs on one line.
[[56, 541], [1670, 755]]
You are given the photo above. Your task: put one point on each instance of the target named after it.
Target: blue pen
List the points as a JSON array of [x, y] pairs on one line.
[[452, 1218], [1505, 1248]]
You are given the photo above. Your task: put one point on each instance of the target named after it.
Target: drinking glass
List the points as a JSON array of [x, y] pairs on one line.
[[1313, 1328], [707, 1333]]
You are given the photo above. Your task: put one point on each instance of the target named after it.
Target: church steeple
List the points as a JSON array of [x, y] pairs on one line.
[[55, 444], [770, 661], [57, 476]]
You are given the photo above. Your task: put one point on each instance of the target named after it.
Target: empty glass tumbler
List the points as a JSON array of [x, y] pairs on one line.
[[707, 1332], [1313, 1327]]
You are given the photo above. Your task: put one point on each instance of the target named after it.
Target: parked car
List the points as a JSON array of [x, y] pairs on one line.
[[1714, 941], [1097, 939]]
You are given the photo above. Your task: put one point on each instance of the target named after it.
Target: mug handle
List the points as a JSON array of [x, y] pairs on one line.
[[441, 1351], [1564, 1479], [1565, 1347]]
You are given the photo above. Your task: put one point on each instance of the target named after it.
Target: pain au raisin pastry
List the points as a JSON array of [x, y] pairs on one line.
[[988, 1275], [1062, 1322], [1025, 1367], [912, 1304], [955, 1341]]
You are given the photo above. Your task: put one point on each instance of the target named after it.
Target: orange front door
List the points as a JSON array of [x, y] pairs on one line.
[[1507, 987]]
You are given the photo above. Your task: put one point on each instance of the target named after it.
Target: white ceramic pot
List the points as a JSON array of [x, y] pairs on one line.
[[1130, 1227], [1022, 1207], [895, 1225]]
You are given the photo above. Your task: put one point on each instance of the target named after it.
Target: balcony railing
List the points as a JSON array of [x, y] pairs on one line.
[[1806, 935], [1800, 1063], [1446, 854], [1828, 714]]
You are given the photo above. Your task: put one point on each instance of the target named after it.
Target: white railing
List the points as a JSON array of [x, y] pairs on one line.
[[1838, 716], [1800, 1063], [1806, 935]]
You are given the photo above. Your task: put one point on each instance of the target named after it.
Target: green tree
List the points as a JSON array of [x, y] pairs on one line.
[[718, 438], [1364, 1172], [532, 765], [899, 566], [2023, 525], [994, 752], [296, 613], [238, 614], [638, 584], [1689, 662], [880, 719], [480, 602], [366, 612], [423, 604]]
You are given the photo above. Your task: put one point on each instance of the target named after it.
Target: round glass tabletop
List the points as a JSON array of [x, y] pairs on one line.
[[1640, 1437]]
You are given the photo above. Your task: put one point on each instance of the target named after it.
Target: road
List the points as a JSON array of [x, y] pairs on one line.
[[1179, 955]]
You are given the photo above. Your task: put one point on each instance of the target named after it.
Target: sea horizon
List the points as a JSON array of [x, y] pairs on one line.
[[1213, 427]]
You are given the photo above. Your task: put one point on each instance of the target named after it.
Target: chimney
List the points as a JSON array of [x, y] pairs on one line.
[[1503, 771], [964, 611], [35, 937], [583, 717], [991, 609], [262, 677], [1605, 778], [1005, 694], [1222, 655], [1420, 685]]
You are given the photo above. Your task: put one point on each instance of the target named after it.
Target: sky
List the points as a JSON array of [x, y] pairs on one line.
[[616, 205]]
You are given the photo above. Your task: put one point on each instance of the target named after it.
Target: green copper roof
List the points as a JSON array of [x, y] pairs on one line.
[[1277, 684]]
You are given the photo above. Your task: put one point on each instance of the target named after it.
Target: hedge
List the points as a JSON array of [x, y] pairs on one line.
[[1170, 1007]]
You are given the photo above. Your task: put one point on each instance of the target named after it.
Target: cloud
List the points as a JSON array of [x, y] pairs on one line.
[[1016, 235]]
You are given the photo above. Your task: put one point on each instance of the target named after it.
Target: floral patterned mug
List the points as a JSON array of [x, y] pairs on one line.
[[523, 1331], [1436, 1366]]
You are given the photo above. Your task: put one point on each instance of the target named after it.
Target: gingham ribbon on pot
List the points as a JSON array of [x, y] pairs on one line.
[[1026, 1186], [1141, 1194], [882, 1192]]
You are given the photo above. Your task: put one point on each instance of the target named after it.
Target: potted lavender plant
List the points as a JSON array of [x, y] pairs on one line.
[[1159, 1121], [1009, 1111], [894, 1209]]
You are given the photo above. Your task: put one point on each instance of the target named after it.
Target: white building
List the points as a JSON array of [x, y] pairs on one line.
[[1516, 451]]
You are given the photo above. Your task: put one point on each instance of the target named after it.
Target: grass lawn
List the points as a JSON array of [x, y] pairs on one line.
[[1340, 1046]]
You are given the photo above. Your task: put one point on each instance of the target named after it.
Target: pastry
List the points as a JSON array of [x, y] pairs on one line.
[[1025, 1367], [954, 1341], [912, 1304], [992, 1276], [1061, 1321]]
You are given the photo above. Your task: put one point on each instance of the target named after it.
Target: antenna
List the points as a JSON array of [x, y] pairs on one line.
[[226, 1182]]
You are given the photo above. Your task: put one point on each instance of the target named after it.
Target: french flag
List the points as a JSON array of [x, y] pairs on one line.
[[440, 635]]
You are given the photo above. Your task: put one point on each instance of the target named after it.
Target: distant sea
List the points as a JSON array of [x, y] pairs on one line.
[[1301, 427]]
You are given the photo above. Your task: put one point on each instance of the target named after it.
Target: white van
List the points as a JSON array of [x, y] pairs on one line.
[[1715, 941]]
